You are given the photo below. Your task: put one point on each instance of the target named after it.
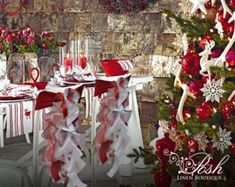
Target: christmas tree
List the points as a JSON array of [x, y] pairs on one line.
[[197, 122]]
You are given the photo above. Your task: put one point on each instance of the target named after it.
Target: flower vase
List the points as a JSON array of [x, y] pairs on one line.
[[15, 68], [3, 66], [47, 65], [19, 66], [3, 71]]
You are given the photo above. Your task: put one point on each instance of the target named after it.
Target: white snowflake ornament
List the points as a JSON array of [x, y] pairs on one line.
[[223, 140], [213, 90], [201, 140]]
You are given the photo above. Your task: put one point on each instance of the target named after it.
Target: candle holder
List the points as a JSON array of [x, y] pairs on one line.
[[75, 59]]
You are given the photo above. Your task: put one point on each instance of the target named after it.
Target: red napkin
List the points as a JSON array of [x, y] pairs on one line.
[[46, 99], [102, 86]]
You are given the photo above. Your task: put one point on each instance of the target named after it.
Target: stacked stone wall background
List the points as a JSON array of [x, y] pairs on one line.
[[112, 34]]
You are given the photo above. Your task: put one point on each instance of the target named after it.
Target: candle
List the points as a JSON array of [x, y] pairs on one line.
[[68, 62], [83, 61]]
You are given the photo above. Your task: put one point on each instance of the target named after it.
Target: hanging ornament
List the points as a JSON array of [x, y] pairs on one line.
[[230, 57], [192, 145], [222, 140], [213, 90], [201, 140], [195, 87], [227, 109], [203, 111], [191, 64]]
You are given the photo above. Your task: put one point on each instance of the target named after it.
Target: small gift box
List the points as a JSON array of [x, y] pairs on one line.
[[115, 67]]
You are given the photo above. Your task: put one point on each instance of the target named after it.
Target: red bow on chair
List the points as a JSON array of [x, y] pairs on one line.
[[112, 136]]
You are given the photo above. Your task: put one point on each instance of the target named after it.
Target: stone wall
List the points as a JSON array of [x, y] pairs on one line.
[[111, 34]]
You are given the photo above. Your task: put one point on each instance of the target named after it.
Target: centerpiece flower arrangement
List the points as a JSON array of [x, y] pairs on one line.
[[26, 40], [23, 49]]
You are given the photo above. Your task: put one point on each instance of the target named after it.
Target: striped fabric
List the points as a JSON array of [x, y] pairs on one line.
[[89, 93], [20, 119], [126, 65]]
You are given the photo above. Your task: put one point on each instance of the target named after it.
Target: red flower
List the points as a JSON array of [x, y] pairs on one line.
[[9, 38], [30, 40]]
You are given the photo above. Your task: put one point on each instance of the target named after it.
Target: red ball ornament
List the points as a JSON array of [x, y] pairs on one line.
[[203, 40], [195, 87], [203, 111], [191, 64], [230, 57], [227, 109], [192, 145]]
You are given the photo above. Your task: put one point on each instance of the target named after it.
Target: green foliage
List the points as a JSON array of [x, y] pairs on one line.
[[147, 154]]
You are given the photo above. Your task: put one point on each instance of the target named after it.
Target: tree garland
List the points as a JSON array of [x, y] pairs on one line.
[[124, 6]]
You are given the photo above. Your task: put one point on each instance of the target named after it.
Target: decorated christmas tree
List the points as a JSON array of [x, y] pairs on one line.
[[195, 142]]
